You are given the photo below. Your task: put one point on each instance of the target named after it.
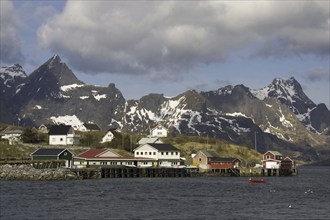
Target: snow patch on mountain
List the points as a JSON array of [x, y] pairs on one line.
[[98, 96], [12, 71], [72, 120], [237, 114], [70, 87], [37, 107], [285, 122]]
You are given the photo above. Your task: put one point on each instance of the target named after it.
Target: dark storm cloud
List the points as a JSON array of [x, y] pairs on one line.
[[10, 41], [164, 39]]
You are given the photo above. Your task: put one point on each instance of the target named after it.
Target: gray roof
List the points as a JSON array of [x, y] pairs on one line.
[[149, 140], [49, 151], [164, 147], [14, 132], [92, 127], [209, 153], [275, 152], [59, 130], [223, 159]]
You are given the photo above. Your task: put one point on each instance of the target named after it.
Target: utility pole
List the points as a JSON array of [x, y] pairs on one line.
[[255, 141]]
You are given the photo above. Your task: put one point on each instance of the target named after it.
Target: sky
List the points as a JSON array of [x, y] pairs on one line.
[[170, 47]]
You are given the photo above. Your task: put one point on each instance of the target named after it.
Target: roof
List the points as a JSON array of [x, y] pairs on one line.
[[274, 152], [48, 152], [92, 127], [164, 147], [92, 153], [209, 153], [223, 159], [59, 130], [14, 132], [149, 140]]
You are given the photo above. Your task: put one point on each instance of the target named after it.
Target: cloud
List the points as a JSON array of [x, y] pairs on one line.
[[318, 74], [164, 39], [10, 49]]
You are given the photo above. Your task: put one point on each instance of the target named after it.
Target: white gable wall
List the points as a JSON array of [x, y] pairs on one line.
[[108, 137], [158, 131], [146, 151], [109, 154]]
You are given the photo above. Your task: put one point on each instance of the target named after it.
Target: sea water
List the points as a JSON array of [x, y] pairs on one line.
[[306, 196]]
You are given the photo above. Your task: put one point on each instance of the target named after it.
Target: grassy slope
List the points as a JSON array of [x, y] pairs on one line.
[[224, 149], [186, 144]]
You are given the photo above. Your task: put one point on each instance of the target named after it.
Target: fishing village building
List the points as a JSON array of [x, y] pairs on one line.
[[158, 130], [52, 157], [273, 164], [107, 158], [62, 135], [164, 154], [209, 161]]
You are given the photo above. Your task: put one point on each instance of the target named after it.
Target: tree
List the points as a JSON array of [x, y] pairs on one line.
[[30, 136]]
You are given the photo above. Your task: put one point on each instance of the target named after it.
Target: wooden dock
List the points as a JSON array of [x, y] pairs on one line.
[[147, 172]]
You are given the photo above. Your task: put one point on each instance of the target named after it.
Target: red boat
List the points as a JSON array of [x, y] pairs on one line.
[[257, 180]]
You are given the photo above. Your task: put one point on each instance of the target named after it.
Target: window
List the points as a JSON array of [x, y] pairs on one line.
[[166, 153], [200, 159], [65, 153], [176, 153], [172, 153], [149, 153], [267, 157], [61, 139], [137, 153], [141, 153], [154, 153], [162, 153]]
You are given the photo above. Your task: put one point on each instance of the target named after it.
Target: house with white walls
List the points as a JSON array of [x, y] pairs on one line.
[[165, 155], [158, 130], [62, 135], [108, 137], [13, 136], [109, 158]]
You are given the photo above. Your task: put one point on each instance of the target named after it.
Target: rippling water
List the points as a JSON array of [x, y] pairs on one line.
[[306, 196]]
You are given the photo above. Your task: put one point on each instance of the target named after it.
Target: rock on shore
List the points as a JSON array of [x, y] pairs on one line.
[[27, 172]]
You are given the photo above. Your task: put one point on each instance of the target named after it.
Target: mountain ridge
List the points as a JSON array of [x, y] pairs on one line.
[[281, 113]]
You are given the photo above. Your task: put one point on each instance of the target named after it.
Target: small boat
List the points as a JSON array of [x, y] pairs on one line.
[[257, 180]]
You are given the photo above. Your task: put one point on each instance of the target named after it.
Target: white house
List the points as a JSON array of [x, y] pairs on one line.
[[108, 137], [166, 155], [13, 136], [158, 131], [62, 135], [109, 158]]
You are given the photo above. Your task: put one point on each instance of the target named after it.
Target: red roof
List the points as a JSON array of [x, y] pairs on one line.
[[92, 153]]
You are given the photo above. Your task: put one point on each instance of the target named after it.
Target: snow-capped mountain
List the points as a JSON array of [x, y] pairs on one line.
[[11, 77], [53, 94], [290, 93]]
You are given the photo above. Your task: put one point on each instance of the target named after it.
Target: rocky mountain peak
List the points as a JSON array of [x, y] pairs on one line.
[[56, 71], [12, 71]]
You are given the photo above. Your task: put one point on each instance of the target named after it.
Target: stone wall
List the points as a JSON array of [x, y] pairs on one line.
[[27, 172]]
